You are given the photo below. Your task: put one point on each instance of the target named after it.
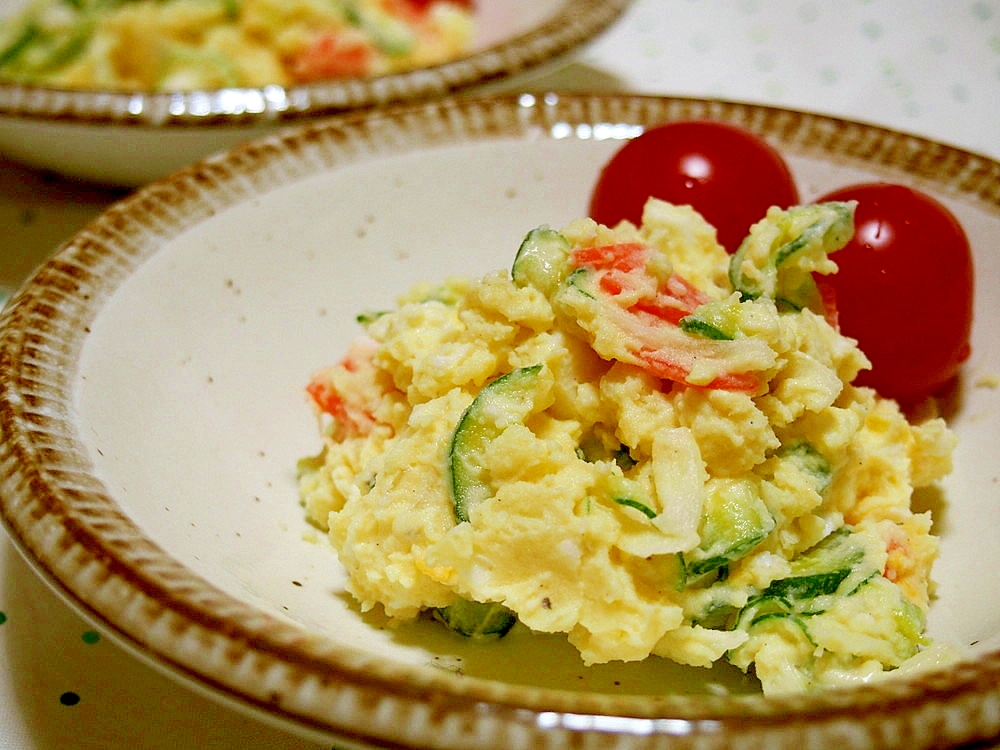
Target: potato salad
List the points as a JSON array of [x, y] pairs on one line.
[[178, 45], [634, 439]]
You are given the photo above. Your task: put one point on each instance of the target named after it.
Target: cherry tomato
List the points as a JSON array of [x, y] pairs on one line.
[[728, 174], [904, 289]]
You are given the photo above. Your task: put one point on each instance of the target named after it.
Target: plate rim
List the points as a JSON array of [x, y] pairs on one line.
[[67, 524]]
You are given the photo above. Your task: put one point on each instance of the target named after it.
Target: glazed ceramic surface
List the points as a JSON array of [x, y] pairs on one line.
[[129, 139], [152, 412]]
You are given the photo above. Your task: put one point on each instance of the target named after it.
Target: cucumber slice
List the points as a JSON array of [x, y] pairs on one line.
[[699, 327], [368, 317], [809, 586], [734, 521], [68, 49], [541, 260], [810, 461], [476, 619], [623, 457], [718, 616], [505, 401], [578, 281], [783, 624], [718, 320], [760, 607], [836, 565], [18, 43], [772, 614], [34, 44], [909, 620], [390, 35], [836, 551], [592, 448], [780, 253], [638, 505]]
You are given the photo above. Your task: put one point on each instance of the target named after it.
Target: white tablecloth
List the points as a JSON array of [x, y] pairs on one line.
[[925, 66]]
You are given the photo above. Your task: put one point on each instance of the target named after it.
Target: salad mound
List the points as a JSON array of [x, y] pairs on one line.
[[639, 441], [180, 45]]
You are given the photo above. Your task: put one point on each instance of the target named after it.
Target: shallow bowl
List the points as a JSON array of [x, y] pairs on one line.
[[152, 412], [128, 139]]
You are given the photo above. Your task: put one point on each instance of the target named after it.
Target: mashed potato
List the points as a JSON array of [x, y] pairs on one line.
[[638, 441], [176, 45]]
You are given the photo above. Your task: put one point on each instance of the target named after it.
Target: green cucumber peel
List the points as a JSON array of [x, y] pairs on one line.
[[734, 522], [505, 401], [810, 461], [639, 506], [19, 43], [479, 620], [542, 260], [698, 327], [777, 257], [808, 586], [390, 35], [834, 567], [575, 281], [370, 316]]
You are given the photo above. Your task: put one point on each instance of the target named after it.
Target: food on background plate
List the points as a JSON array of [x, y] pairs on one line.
[[177, 45], [642, 442]]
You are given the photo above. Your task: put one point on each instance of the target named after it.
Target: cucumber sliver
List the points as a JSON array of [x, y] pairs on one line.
[[476, 619], [809, 586], [18, 44], [801, 235], [505, 401], [734, 521], [836, 565], [639, 506], [541, 260]]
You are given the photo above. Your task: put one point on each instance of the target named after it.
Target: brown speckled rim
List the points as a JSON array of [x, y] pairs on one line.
[[574, 23], [71, 529]]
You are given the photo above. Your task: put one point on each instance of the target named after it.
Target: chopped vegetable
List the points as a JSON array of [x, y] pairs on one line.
[[779, 256], [505, 401], [735, 521], [476, 619]]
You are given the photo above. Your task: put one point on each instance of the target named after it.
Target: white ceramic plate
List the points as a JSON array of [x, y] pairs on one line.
[[152, 411], [129, 139]]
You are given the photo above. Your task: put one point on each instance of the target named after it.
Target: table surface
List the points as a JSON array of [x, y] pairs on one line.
[[921, 66]]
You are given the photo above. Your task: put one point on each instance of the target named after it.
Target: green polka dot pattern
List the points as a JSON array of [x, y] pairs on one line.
[[933, 71]]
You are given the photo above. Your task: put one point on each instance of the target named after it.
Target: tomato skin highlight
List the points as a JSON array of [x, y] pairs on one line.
[[904, 289], [728, 174]]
